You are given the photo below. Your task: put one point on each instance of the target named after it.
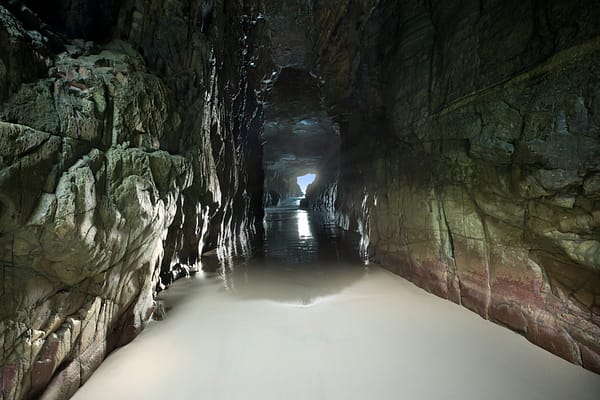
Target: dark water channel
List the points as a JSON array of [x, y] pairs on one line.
[[304, 257]]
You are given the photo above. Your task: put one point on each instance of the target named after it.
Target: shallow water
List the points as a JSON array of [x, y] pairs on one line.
[[307, 320]]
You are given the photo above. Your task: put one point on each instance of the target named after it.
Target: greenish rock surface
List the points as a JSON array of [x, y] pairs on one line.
[[470, 149], [131, 142], [120, 163]]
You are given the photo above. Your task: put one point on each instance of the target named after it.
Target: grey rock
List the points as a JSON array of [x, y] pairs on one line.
[[558, 179], [591, 186], [113, 167]]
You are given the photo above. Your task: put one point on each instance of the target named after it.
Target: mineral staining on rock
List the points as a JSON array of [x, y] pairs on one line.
[[468, 158], [471, 167]]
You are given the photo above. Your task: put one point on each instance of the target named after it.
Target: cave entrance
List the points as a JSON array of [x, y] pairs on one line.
[[304, 180], [300, 140]]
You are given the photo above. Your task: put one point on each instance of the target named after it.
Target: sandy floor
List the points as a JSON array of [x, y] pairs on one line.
[[326, 330]]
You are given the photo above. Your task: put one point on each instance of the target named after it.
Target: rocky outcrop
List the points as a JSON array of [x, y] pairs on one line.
[[470, 148], [120, 163], [22, 55], [83, 216]]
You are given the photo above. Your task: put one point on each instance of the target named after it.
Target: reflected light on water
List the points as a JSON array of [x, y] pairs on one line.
[[303, 225], [299, 323]]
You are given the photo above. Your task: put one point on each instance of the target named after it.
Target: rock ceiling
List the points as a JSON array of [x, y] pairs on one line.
[[298, 134]]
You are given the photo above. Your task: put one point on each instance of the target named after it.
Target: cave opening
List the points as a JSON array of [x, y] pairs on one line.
[[305, 180], [300, 160], [300, 139], [153, 157]]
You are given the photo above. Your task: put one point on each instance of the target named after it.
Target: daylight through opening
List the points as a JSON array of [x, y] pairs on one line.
[[305, 180]]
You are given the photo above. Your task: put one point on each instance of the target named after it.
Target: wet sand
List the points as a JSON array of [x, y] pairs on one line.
[[300, 323]]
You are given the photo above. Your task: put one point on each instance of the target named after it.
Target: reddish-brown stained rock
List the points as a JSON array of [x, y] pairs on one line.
[[590, 359], [483, 137]]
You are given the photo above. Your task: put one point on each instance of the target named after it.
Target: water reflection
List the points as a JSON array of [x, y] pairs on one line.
[[289, 236], [303, 226], [303, 259]]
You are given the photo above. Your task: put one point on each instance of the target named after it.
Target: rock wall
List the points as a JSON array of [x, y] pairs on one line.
[[470, 153], [121, 161], [130, 143]]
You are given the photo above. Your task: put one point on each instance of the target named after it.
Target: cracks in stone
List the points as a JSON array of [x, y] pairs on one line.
[[515, 89], [575, 345], [131, 238], [35, 148], [562, 58], [485, 241], [479, 115], [448, 230], [545, 276], [431, 85], [512, 305], [487, 262], [23, 337], [460, 290], [511, 106], [109, 118]]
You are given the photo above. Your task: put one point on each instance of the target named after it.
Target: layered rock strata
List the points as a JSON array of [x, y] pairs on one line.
[[130, 143], [470, 154]]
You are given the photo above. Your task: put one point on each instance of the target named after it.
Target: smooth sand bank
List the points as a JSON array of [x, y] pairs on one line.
[[289, 332]]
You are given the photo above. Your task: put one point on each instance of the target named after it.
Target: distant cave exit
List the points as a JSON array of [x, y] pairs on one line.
[[305, 180], [301, 143]]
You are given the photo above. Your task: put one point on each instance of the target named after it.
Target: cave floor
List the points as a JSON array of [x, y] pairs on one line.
[[299, 321]]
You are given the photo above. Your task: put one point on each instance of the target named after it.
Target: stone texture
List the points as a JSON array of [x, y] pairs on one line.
[[469, 154], [22, 57], [120, 163], [299, 137], [130, 143], [78, 219]]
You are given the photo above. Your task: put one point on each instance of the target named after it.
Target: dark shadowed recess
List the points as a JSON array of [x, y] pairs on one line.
[[86, 19]]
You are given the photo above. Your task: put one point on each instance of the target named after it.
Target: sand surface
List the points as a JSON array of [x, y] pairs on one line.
[[299, 323]]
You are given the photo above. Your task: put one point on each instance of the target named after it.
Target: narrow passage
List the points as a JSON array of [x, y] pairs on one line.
[[306, 320]]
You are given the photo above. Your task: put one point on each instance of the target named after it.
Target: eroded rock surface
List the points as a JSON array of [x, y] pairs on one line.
[[130, 142], [83, 217], [120, 162], [471, 167], [299, 137]]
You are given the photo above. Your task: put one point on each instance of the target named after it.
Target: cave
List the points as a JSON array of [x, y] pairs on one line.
[[300, 140], [299, 199]]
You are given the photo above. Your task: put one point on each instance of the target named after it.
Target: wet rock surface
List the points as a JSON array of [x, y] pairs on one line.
[[471, 166], [130, 143], [120, 162], [309, 319], [299, 137]]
